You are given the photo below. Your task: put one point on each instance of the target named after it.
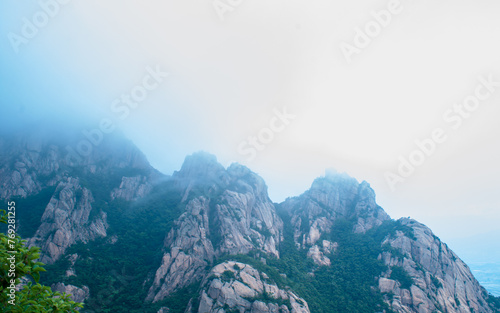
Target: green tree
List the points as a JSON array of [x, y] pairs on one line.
[[17, 261]]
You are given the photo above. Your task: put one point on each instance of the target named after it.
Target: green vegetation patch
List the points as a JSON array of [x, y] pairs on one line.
[[115, 272], [29, 211], [399, 274], [346, 285]]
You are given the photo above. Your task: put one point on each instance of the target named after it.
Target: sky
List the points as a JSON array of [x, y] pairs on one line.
[[402, 94]]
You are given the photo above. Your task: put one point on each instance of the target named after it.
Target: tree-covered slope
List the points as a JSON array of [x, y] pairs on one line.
[[131, 239]]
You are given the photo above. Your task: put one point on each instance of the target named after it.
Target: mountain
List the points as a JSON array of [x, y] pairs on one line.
[[226, 212], [121, 236], [65, 198]]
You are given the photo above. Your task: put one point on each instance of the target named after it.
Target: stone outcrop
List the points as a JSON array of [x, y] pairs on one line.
[[319, 254], [23, 161], [32, 161], [331, 197], [240, 287], [67, 219], [132, 188], [441, 281], [77, 294], [227, 212], [190, 251]]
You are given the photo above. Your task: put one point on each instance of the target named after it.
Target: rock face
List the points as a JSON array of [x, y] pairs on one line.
[[23, 161], [221, 212], [32, 161], [132, 188], [335, 195], [67, 220], [190, 251], [40, 158], [319, 254], [240, 287], [77, 294], [226, 212], [441, 281]]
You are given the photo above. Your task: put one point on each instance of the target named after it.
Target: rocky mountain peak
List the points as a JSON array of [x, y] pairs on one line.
[[334, 191], [34, 160], [332, 197], [202, 166], [244, 180], [335, 176], [226, 212], [46, 161], [215, 229]]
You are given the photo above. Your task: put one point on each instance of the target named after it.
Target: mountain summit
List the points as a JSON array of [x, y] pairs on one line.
[[121, 236]]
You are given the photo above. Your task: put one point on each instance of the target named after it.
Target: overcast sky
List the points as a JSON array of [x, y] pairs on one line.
[[288, 88]]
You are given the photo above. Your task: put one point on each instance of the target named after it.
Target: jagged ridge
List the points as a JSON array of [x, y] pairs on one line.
[[227, 212]]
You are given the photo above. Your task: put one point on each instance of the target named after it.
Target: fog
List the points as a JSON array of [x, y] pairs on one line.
[[273, 86]]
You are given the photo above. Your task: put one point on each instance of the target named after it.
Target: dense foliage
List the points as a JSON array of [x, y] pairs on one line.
[[28, 221], [119, 269], [21, 264], [493, 302], [115, 271], [346, 285], [399, 274]]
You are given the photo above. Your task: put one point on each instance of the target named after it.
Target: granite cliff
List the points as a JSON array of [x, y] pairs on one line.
[[122, 236]]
